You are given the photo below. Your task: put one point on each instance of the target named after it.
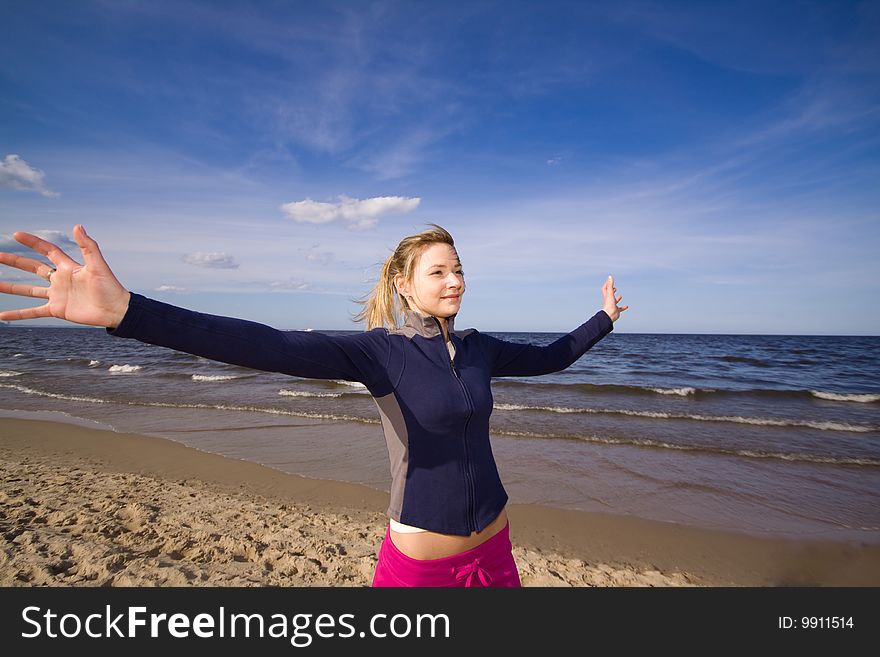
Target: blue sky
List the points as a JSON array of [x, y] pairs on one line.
[[261, 159]]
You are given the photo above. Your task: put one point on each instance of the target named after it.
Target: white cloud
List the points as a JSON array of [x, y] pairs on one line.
[[290, 284], [57, 238], [169, 288], [213, 260], [15, 173], [356, 213]]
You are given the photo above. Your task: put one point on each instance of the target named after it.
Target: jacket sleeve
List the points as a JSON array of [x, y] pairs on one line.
[[362, 357], [520, 359]]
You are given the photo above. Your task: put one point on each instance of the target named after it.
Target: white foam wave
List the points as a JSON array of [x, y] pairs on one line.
[[256, 409], [809, 458], [124, 369], [219, 407], [300, 393], [213, 377], [847, 397], [17, 355], [659, 415], [9, 373], [53, 395], [94, 363], [683, 392]]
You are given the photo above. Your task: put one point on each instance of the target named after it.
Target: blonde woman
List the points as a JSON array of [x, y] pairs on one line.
[[430, 382]]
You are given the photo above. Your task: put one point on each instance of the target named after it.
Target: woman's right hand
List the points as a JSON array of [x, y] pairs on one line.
[[86, 294]]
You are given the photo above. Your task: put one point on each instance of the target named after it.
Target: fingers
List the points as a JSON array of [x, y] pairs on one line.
[[54, 253], [24, 290], [89, 247], [608, 289], [25, 313], [41, 269]]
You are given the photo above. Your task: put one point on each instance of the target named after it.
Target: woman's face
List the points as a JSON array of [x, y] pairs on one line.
[[438, 282]]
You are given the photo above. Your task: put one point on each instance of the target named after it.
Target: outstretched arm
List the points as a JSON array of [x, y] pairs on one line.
[[90, 294], [360, 357], [519, 359]]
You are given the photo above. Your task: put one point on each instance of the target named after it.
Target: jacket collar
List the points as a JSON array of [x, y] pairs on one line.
[[427, 326]]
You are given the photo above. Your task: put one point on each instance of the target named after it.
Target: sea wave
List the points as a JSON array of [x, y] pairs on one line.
[[682, 392], [300, 393], [657, 444], [259, 409], [690, 392], [213, 377], [218, 407], [663, 415], [94, 363], [124, 369], [5, 373], [864, 398], [594, 389], [54, 395], [76, 360]]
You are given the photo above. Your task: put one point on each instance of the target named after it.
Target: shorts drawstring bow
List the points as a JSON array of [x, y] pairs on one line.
[[468, 571]]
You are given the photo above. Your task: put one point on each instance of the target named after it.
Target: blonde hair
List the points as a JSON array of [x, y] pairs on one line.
[[383, 306]]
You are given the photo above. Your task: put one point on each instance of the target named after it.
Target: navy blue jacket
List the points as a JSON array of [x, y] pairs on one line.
[[434, 409]]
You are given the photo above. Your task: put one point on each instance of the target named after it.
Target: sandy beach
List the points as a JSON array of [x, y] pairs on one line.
[[88, 507]]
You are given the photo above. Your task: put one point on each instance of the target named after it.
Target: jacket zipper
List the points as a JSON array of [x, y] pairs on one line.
[[468, 474]]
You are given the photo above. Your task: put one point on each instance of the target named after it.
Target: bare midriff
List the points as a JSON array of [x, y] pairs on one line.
[[431, 545]]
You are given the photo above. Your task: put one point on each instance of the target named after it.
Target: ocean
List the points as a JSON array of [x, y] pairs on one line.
[[760, 434]]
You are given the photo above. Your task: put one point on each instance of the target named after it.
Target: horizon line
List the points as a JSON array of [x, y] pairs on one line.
[[793, 335]]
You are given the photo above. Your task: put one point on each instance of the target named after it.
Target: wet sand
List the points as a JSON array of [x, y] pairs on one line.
[[89, 507]]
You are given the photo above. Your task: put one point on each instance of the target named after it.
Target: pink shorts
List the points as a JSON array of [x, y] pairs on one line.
[[489, 564]]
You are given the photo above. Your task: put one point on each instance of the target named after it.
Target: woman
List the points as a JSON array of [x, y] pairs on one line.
[[430, 382]]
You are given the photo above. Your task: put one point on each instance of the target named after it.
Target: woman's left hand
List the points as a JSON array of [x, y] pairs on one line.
[[611, 300]]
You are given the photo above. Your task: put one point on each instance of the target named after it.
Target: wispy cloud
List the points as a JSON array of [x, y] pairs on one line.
[[57, 238], [170, 288], [320, 257], [15, 173], [366, 84], [393, 161], [355, 213], [289, 284], [211, 260]]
